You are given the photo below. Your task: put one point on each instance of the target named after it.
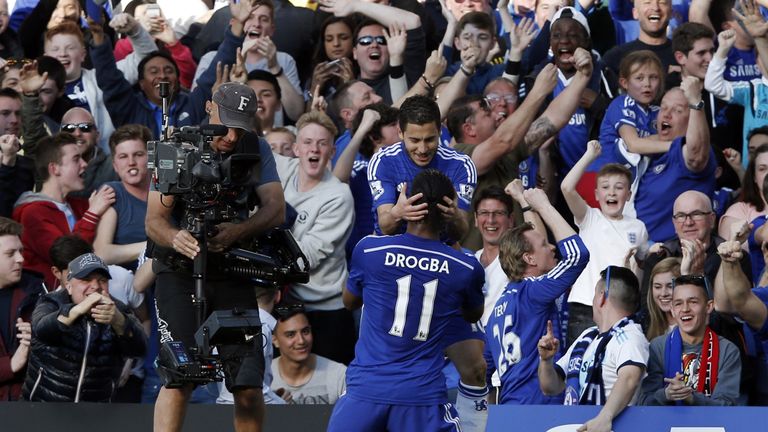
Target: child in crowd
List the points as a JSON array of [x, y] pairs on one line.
[[631, 118], [281, 141], [608, 233], [752, 95]]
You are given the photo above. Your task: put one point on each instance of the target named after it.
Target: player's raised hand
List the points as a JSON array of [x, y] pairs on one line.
[[536, 198], [405, 209], [548, 344]]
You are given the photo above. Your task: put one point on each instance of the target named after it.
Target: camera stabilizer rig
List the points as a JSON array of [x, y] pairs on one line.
[[216, 190]]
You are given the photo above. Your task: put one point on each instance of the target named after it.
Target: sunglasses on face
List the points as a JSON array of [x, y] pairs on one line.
[[84, 127], [367, 40]]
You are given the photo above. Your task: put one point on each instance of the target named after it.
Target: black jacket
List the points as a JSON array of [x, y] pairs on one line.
[[85, 354]]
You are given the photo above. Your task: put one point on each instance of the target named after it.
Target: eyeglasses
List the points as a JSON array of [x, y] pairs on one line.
[[84, 127], [494, 98], [695, 279], [696, 216], [285, 311], [367, 40], [495, 213]]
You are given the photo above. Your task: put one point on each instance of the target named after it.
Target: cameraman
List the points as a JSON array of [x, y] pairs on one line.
[[233, 105]]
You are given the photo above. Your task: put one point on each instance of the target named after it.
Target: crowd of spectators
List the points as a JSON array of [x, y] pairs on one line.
[[641, 125]]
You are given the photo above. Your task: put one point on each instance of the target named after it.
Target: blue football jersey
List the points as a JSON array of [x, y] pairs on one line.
[[663, 181], [573, 137], [391, 166], [623, 110], [411, 288], [519, 320]]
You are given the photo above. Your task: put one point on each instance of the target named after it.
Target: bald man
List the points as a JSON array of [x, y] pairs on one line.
[[694, 221], [79, 122]]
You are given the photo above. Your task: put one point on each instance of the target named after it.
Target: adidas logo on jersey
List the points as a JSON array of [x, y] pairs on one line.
[[408, 261]]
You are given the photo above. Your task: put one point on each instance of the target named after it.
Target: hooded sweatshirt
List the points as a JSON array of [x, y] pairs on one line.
[[44, 222]]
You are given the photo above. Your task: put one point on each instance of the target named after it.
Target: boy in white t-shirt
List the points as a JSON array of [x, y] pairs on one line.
[[608, 233]]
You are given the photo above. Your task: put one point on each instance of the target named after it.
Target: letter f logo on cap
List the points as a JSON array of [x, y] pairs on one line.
[[243, 102]]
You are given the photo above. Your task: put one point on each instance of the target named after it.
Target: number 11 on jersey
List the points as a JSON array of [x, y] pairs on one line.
[[401, 308]]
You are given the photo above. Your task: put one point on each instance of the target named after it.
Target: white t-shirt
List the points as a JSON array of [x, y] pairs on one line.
[[325, 386], [495, 283], [627, 347], [608, 242]]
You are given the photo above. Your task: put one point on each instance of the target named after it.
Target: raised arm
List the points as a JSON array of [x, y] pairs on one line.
[[433, 70], [738, 297], [756, 26], [698, 12], [697, 148], [510, 132], [539, 202], [714, 81], [559, 112], [515, 190], [575, 202], [383, 14], [343, 167]]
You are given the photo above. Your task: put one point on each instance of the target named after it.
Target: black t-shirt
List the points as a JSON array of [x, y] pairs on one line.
[[613, 57]]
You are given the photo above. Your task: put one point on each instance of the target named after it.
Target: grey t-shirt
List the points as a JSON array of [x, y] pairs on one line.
[[324, 387]]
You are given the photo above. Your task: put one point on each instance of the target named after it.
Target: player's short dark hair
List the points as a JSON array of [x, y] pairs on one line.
[[419, 110], [434, 185], [49, 151], [10, 227], [615, 169], [458, 114], [129, 132], [56, 71], [686, 35], [512, 246], [387, 116], [66, 248], [495, 192], [622, 286]]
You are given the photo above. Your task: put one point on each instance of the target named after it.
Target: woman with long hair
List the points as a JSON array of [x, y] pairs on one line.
[[660, 297]]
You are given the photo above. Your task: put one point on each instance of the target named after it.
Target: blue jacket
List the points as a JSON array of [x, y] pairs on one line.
[[128, 104]]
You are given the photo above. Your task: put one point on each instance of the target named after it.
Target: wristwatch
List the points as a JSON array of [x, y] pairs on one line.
[[698, 107]]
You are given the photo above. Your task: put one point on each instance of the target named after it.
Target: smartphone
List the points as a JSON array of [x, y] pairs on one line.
[[153, 10], [336, 64]]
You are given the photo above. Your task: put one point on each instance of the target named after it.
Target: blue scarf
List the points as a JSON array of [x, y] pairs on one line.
[[708, 360]]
